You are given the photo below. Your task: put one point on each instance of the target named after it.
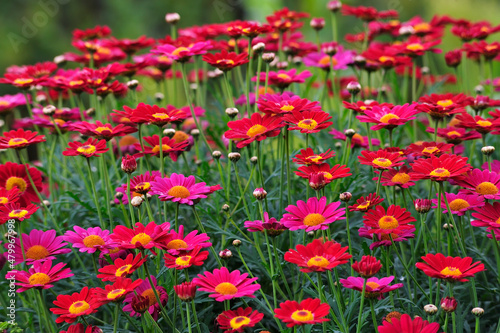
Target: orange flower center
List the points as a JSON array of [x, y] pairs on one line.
[[484, 123], [430, 150], [225, 61], [445, 103], [164, 147], [303, 315], [103, 129], [16, 181], [382, 162], [440, 172], [284, 76], [93, 240], [401, 177], [142, 186], [160, 115], [451, 271], [150, 294], [327, 60], [421, 27], [4, 103], [86, 149], [17, 141], [327, 175], [183, 261], [358, 137], [318, 261], [373, 285], [37, 252], [238, 322], [176, 244], [179, 192], [116, 293], [256, 130], [453, 133], [386, 59], [414, 47], [385, 119], [78, 307], [287, 108], [39, 278], [76, 83], [123, 270], [178, 50], [226, 288], [313, 219], [486, 188], [142, 238], [309, 124], [388, 222]]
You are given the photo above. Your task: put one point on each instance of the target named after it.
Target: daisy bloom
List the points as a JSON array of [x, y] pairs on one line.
[[440, 168], [308, 312], [102, 131], [90, 240], [179, 188], [389, 118], [153, 114], [141, 237], [395, 177], [367, 267], [121, 268], [17, 212], [440, 106], [375, 288], [415, 46], [10, 102], [362, 106], [70, 307], [283, 78], [224, 285], [91, 147], [478, 123], [367, 14], [335, 172], [364, 204], [169, 146], [177, 243], [308, 157], [318, 256], [459, 203], [270, 226], [451, 269], [308, 121], [407, 324], [117, 291], [238, 320], [381, 159], [186, 260], [395, 220], [278, 104], [487, 216], [455, 135], [257, 127], [8, 196], [19, 139], [313, 215], [40, 276], [224, 60], [142, 183], [481, 182], [428, 149], [14, 175], [79, 328], [339, 61], [146, 290], [182, 53], [385, 239]]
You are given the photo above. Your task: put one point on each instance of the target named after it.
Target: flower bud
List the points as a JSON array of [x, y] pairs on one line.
[[449, 304], [90, 112], [345, 197], [10, 234], [488, 150], [49, 110], [232, 112], [41, 99], [268, 57], [186, 291], [159, 96], [140, 303], [193, 86], [46, 203], [359, 61], [479, 89], [60, 59], [216, 154], [367, 267], [423, 206], [354, 88], [317, 181], [118, 195], [282, 64], [310, 234], [406, 30], [297, 60], [259, 193], [254, 159], [338, 145], [132, 84], [234, 157], [349, 132], [453, 58], [136, 201], [225, 254], [317, 23], [447, 226], [172, 18], [478, 312], [195, 133], [129, 164], [259, 48], [334, 6], [225, 208], [430, 309], [236, 243], [215, 73], [169, 132]]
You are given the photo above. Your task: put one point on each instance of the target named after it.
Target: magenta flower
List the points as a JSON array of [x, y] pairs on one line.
[[460, 203], [177, 243], [139, 185], [487, 216], [386, 117], [9, 102], [179, 188], [271, 226], [340, 60], [90, 240], [182, 53], [481, 182], [40, 275], [313, 215], [375, 288], [283, 78], [224, 285], [385, 239], [146, 290]]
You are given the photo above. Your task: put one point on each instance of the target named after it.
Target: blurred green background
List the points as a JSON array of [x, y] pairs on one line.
[[37, 30]]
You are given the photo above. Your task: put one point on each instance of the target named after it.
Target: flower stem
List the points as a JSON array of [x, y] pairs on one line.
[[358, 327]]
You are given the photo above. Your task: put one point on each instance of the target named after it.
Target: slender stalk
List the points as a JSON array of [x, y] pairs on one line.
[[360, 313], [374, 317], [131, 210]]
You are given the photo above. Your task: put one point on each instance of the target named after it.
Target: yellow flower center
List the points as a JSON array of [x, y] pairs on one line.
[[314, 159], [23, 81], [179, 192], [373, 285], [386, 59], [327, 175], [79, 307], [161, 115], [440, 172], [382, 162], [39, 278], [385, 119], [142, 186], [401, 177], [313, 219], [445, 103], [4, 103], [116, 293], [150, 294], [256, 130], [76, 83], [484, 123], [178, 50], [3, 200], [285, 77], [364, 205], [18, 213], [93, 240], [123, 270], [176, 244], [37, 252], [327, 60], [226, 61], [141, 238], [451, 271], [287, 108], [458, 204], [17, 141], [226, 288], [86, 149], [486, 188], [16, 181], [183, 261], [238, 322], [164, 147], [388, 222], [309, 124], [452, 133], [303, 315], [430, 150], [358, 137], [414, 47], [318, 261]]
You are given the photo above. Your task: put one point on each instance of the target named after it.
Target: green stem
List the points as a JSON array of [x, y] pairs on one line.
[[360, 313]]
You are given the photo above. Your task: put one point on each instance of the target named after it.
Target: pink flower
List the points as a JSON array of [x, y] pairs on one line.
[[384, 239], [340, 60], [9, 102], [460, 203], [356, 141], [271, 226], [146, 290], [481, 182], [177, 243], [283, 78], [179, 188], [182, 53], [90, 240], [40, 275], [375, 288], [386, 117], [313, 215]]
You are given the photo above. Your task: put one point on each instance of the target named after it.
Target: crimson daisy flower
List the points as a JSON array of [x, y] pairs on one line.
[[169, 146], [362, 106], [142, 183], [367, 13], [41, 275], [308, 157], [79, 328], [459, 203], [141, 237], [186, 291], [308, 312], [91, 147], [121, 267], [440, 168], [8, 196], [14, 175], [102, 131], [177, 244], [22, 81], [451, 269], [455, 135], [70, 307], [415, 46], [313, 215], [335, 172], [179, 188], [19, 139], [155, 115], [270, 226], [276, 104], [146, 290], [357, 140], [186, 260], [363, 204], [224, 285], [117, 291], [257, 127], [224, 60], [395, 177], [375, 288], [428, 149], [90, 240], [395, 220], [478, 123], [389, 118], [238, 320], [17, 212], [367, 267], [282, 78], [440, 106], [318, 256], [182, 53], [487, 216], [381, 159], [407, 324], [385, 239], [308, 121], [481, 182]]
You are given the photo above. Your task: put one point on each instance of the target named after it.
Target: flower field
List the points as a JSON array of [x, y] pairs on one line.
[[238, 177]]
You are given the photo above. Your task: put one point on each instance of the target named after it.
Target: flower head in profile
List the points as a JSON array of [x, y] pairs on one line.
[[182, 53], [329, 173], [440, 106], [117, 291], [41, 275], [186, 260], [270, 226], [179, 188], [255, 128], [481, 182], [451, 269], [70, 307], [102, 131], [186, 291], [91, 147], [19, 139], [8, 196], [169, 146], [283, 78], [440, 168], [145, 289], [308, 312], [455, 135], [428, 149], [318, 256], [459, 203], [386, 239], [367, 267], [487, 216], [340, 60], [16, 211], [407, 324], [153, 114], [316, 214], [364, 204], [225, 60], [238, 320], [375, 288]]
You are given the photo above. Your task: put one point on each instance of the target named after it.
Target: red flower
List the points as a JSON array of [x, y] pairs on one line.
[[256, 128], [455, 135], [364, 204], [308, 121], [367, 13], [92, 33], [367, 267], [381, 159], [21, 81], [141, 237], [415, 46], [8, 196], [16, 212], [283, 78], [102, 131], [406, 324], [19, 139], [395, 221], [70, 307], [478, 123], [309, 311], [385, 117], [186, 260], [121, 268], [224, 60], [14, 175], [308, 157], [395, 177], [440, 106], [440, 168], [318, 256], [155, 115], [130, 46], [451, 269], [117, 291], [238, 320], [362, 106], [169, 146], [182, 53], [91, 147], [428, 149], [453, 58], [481, 182], [186, 291], [278, 104], [337, 171]]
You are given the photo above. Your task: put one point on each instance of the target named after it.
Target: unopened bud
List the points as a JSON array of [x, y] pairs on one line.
[[354, 88], [488, 150], [232, 112], [215, 73], [225, 208], [254, 159], [282, 64], [338, 145], [422, 206], [449, 304], [49, 110], [159, 96], [310, 234], [430, 309], [406, 30], [90, 112], [132, 84], [234, 157], [478, 312], [129, 164], [236, 243], [216, 154], [195, 133], [334, 6], [136, 201], [41, 98], [225, 254], [317, 23], [193, 86], [60, 59], [46, 203], [359, 61], [268, 57], [118, 195], [169, 132], [259, 193], [259, 48], [345, 197], [447, 226], [172, 18], [479, 89], [349, 132]]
